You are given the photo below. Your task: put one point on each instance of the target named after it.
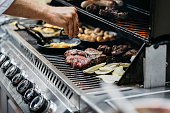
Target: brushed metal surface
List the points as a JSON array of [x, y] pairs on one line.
[[155, 66]]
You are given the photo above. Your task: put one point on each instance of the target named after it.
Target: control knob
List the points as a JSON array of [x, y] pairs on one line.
[[17, 79], [11, 71], [23, 86], [6, 65], [30, 94], [3, 58], [39, 105]]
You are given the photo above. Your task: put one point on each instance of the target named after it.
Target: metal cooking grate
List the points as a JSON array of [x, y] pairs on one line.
[[137, 26], [82, 81]]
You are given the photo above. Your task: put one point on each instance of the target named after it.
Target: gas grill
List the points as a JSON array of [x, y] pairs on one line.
[[137, 25], [67, 89]]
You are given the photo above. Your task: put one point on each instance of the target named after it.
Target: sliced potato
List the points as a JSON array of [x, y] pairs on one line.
[[98, 72], [49, 25], [109, 78], [118, 64], [119, 71], [37, 29], [112, 65], [94, 68], [104, 70], [48, 30], [116, 77], [125, 64]]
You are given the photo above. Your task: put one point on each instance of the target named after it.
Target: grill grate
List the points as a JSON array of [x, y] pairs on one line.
[[82, 81], [137, 23], [138, 26]]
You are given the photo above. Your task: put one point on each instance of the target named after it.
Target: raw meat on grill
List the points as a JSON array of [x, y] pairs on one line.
[[75, 52], [80, 59]]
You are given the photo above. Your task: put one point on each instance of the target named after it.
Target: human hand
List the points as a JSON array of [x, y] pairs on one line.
[[65, 17]]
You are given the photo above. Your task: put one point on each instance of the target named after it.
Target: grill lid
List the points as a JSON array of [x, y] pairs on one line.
[[160, 18]]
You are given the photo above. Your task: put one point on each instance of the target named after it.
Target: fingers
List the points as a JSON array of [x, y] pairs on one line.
[[71, 29], [66, 30], [73, 23], [76, 25], [68, 19]]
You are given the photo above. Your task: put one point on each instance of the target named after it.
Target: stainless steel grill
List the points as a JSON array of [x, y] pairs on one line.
[[82, 81], [75, 90]]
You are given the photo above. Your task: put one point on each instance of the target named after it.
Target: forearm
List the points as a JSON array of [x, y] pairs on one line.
[[28, 9], [65, 17]]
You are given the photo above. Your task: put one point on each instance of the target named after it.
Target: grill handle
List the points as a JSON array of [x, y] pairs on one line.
[[161, 40]]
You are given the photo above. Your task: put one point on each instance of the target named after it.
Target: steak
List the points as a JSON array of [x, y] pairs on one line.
[[75, 52], [95, 56], [80, 59], [105, 48], [92, 51], [130, 53], [118, 50]]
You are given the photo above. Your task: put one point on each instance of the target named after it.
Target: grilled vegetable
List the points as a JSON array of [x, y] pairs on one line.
[[118, 71], [118, 64], [109, 78], [125, 64], [60, 45], [94, 68], [104, 70], [112, 65]]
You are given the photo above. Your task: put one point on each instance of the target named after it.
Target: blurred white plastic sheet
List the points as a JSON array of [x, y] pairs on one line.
[[122, 105]]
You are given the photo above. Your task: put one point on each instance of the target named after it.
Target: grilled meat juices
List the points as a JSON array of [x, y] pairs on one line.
[[80, 59]]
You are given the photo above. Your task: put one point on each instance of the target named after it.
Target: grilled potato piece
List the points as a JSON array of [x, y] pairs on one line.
[[91, 70]]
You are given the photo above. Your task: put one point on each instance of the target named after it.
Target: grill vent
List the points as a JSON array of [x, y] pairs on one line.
[[54, 79], [65, 89], [68, 92], [51, 78], [70, 95], [56, 82]]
